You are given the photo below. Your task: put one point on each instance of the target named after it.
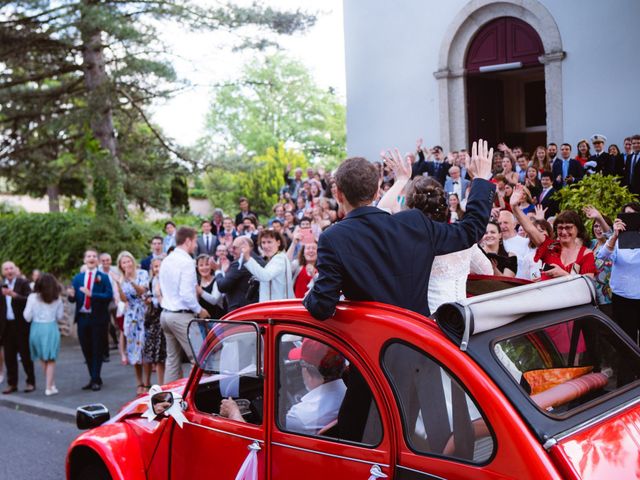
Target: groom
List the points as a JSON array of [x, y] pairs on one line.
[[91, 291], [372, 255]]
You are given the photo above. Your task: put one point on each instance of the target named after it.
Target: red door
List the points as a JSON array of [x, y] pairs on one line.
[[355, 447]]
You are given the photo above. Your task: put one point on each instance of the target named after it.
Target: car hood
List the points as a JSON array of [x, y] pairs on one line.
[[609, 448]]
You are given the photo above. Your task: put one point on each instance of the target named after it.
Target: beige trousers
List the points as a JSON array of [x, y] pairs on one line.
[[174, 326]]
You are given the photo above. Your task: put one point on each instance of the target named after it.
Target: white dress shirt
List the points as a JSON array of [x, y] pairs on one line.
[[178, 282], [8, 300], [89, 286]]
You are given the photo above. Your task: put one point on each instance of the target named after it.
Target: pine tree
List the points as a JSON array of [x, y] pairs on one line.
[[69, 67]]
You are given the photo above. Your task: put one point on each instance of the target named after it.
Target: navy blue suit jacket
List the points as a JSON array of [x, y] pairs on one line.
[[101, 295], [575, 170], [371, 255]]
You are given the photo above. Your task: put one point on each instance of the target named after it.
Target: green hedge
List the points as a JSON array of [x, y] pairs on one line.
[[55, 242]]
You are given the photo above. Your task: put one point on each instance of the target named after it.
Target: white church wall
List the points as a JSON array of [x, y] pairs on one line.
[[392, 50]]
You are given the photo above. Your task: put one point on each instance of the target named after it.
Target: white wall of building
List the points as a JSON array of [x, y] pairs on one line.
[[392, 50]]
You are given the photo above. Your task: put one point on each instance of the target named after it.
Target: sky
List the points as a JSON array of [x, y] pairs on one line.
[[202, 59]]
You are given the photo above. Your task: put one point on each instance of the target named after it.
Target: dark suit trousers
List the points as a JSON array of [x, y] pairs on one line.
[[16, 340], [626, 313], [91, 333]]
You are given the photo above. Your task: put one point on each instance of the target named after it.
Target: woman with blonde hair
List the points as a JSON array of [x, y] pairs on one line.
[[133, 286]]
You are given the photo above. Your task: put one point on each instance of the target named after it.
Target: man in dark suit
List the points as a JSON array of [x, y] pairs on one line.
[[233, 279], [91, 291], [207, 242], [371, 255], [546, 196], [632, 168], [565, 169], [156, 252], [245, 211], [15, 338]]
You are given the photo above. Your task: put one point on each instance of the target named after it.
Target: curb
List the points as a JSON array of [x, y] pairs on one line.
[[36, 407]]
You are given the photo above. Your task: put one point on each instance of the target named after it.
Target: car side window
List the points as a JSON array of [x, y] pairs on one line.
[[231, 373], [321, 394], [438, 416]]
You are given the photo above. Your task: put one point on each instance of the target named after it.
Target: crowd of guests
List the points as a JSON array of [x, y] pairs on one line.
[[144, 305]]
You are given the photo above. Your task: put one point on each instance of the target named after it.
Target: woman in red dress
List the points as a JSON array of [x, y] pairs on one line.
[[567, 254]]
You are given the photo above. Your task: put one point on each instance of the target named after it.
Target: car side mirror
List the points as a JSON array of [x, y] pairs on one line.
[[161, 402], [91, 416]]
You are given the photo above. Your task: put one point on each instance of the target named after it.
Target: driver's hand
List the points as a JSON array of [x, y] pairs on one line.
[[229, 408]]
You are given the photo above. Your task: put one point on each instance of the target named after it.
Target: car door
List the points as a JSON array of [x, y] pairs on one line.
[[456, 424], [327, 421], [209, 445]]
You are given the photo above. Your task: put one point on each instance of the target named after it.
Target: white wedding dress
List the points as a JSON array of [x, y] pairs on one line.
[[448, 280]]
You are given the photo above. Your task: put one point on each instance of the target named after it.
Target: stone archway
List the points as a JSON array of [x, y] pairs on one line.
[[451, 71]]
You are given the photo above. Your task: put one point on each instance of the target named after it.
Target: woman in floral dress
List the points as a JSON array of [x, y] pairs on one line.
[[133, 288]]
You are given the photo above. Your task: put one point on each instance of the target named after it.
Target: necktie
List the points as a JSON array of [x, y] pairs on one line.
[[87, 298], [634, 159], [206, 243]]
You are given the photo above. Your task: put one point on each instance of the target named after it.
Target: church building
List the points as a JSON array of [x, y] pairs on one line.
[[525, 72]]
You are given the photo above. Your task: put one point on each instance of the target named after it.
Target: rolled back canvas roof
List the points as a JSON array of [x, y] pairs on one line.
[[485, 312]]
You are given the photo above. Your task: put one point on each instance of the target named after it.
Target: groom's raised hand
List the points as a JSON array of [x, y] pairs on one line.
[[481, 159]]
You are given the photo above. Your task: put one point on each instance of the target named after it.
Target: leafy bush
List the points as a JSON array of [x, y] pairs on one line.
[[55, 242], [604, 193]]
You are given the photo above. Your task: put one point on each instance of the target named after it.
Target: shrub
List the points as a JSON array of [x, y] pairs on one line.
[[55, 242], [604, 193]]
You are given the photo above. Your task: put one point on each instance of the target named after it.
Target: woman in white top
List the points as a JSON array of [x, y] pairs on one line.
[[275, 277], [44, 308]]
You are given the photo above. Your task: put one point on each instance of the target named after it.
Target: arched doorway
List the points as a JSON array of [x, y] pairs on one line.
[[452, 76], [506, 84]]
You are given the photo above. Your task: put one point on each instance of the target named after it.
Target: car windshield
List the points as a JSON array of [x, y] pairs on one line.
[[226, 347], [567, 366]]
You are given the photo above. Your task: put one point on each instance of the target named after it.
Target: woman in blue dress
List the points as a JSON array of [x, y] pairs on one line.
[[133, 289], [44, 309]]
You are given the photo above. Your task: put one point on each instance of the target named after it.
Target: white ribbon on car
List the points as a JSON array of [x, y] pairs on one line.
[[249, 468], [174, 411]]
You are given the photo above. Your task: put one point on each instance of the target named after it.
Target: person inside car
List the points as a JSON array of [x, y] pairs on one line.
[[322, 369]]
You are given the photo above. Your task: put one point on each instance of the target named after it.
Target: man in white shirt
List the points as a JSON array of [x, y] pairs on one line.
[[179, 302], [322, 369], [513, 243]]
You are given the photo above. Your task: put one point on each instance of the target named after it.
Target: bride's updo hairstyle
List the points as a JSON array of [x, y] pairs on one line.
[[427, 195]]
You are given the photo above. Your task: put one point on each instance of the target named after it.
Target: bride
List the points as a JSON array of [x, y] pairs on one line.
[[448, 279]]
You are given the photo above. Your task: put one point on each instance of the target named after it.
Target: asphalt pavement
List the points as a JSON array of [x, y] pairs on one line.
[[32, 446], [70, 376]]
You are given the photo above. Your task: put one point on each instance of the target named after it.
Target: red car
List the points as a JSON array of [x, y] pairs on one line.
[[532, 382]]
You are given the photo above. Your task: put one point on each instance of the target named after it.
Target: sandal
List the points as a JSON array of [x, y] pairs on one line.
[[140, 390]]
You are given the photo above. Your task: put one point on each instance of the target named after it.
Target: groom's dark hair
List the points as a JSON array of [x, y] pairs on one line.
[[358, 180]]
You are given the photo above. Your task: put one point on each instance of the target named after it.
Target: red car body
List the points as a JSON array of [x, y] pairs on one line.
[[604, 445]]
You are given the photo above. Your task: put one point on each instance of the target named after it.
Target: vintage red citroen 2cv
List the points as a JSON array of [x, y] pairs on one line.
[[533, 382]]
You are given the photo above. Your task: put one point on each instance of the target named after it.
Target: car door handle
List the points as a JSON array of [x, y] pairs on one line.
[[376, 472]]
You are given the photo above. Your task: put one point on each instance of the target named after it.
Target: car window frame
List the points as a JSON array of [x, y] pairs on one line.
[[331, 342], [400, 409]]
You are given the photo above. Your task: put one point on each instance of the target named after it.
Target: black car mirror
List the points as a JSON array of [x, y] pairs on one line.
[[91, 416], [161, 402]]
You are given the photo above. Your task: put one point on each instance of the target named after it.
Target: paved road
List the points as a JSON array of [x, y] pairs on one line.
[[33, 446]]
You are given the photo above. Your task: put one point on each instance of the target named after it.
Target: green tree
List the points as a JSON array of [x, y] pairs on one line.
[[261, 185], [275, 100], [68, 66]]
